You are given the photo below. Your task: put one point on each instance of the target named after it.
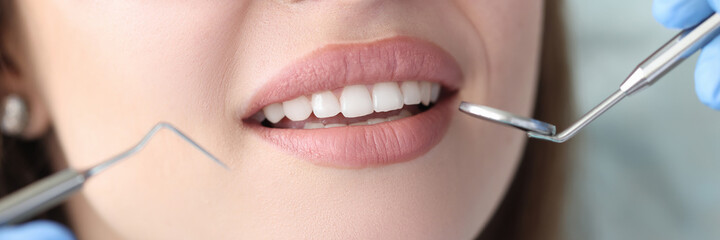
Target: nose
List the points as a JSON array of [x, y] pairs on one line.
[[348, 17], [351, 2], [342, 5]]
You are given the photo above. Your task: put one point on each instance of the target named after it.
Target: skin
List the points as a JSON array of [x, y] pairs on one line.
[[99, 74]]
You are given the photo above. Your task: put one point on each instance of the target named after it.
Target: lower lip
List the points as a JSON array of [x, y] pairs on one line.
[[366, 146]]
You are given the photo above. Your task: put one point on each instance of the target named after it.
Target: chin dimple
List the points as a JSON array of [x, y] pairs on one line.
[[354, 101]]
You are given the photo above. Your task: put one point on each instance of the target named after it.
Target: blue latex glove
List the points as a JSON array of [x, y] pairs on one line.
[[40, 230], [682, 14]]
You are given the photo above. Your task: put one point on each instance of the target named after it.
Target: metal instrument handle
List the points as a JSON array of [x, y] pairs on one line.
[[40, 196], [671, 54]]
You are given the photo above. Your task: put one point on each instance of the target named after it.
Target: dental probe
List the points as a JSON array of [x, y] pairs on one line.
[[54, 189], [645, 74]]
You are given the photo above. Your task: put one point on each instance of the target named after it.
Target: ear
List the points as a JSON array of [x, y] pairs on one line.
[[15, 78], [17, 75]]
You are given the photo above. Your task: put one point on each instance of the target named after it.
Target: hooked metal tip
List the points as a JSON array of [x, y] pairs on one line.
[[584, 120], [144, 141]]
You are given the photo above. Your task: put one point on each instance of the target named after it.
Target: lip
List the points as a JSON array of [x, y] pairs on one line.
[[338, 65]]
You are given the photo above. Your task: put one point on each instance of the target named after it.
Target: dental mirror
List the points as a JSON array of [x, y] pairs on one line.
[[654, 67], [503, 117]]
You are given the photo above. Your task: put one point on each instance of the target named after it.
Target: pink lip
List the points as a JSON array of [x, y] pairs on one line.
[[336, 66]]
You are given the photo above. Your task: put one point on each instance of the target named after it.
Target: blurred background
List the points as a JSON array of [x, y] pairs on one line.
[[650, 167]]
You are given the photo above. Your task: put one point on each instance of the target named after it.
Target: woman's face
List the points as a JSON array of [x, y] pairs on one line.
[[104, 72]]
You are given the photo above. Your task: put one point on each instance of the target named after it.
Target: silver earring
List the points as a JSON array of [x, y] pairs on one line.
[[15, 115]]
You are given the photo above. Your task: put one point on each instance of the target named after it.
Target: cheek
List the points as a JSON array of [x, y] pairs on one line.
[[486, 156], [127, 65], [509, 35], [520, 61], [510, 32], [108, 73]]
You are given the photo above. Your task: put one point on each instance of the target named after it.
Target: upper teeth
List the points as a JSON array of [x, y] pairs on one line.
[[387, 97], [355, 101], [325, 104]]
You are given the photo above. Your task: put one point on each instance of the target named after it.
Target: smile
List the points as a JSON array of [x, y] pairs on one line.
[[359, 105], [354, 105]]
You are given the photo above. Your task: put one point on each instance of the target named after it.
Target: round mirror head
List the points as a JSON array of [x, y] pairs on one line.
[[506, 118]]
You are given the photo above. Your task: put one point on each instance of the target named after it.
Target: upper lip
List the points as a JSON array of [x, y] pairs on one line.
[[334, 66]]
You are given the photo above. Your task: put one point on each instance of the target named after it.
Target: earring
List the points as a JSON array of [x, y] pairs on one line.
[[15, 115]]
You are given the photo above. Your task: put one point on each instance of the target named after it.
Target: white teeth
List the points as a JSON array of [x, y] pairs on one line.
[[313, 125], [274, 112], [325, 104], [425, 88], [259, 116], [403, 114], [355, 101], [393, 118], [359, 124], [410, 92], [333, 125], [434, 92], [376, 120], [387, 97], [297, 109]]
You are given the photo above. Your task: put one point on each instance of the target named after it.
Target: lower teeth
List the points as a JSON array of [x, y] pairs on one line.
[[339, 121], [401, 115]]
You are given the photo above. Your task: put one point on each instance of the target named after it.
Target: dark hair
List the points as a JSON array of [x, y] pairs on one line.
[[530, 210], [533, 204]]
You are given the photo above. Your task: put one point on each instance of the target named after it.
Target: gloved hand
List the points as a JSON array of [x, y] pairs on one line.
[[41, 230], [682, 14]]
